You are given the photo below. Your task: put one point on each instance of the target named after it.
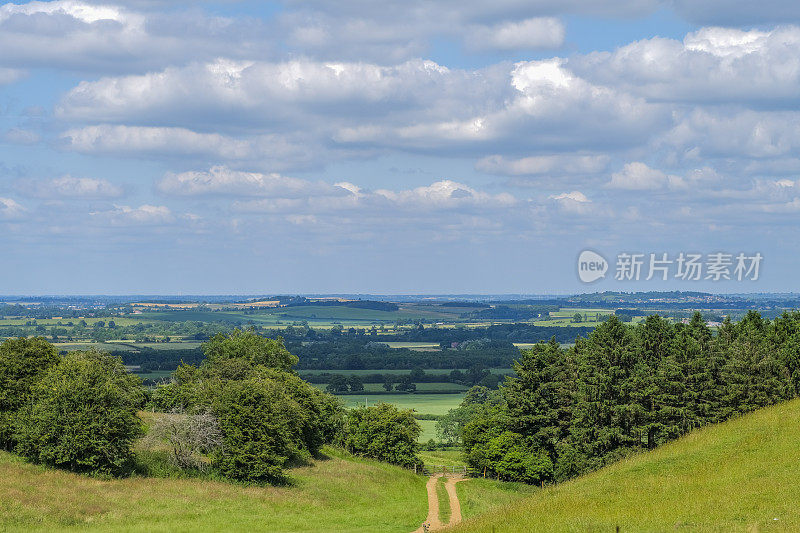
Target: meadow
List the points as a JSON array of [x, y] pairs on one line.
[[431, 404], [740, 475], [340, 493]]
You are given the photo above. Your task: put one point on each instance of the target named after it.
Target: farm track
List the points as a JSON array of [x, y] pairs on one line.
[[433, 523]]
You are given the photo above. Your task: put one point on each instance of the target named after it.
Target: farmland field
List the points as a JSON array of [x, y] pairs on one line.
[[432, 404], [421, 387], [391, 371]]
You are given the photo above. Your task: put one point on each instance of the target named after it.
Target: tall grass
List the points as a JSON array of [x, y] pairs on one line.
[[341, 493]]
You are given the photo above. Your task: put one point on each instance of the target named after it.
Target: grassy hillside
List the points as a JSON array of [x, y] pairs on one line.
[[340, 494], [738, 476]]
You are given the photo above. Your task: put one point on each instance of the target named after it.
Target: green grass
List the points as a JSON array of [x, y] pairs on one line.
[[339, 494], [737, 476], [104, 346], [432, 404], [444, 501], [314, 314], [421, 387], [383, 371], [478, 496], [442, 457], [424, 346]]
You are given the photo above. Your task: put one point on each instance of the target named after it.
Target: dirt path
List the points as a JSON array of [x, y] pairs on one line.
[[433, 521], [455, 505]]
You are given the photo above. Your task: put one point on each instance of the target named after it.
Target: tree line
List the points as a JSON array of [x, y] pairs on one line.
[[622, 389], [241, 414]]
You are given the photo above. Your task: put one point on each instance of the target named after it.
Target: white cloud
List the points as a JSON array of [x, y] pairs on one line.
[[144, 215], [529, 34], [417, 105], [711, 65], [223, 180], [447, 194], [575, 196], [72, 34], [269, 150], [10, 209], [574, 202], [10, 75], [21, 136], [554, 165], [69, 187], [638, 176], [721, 132], [738, 12], [549, 107]]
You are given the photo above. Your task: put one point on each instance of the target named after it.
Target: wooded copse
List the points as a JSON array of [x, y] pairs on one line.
[[623, 389], [243, 408]]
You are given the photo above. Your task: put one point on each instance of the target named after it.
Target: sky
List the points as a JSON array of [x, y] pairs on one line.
[[396, 147]]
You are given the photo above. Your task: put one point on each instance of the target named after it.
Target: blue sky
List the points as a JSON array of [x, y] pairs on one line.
[[151, 146]]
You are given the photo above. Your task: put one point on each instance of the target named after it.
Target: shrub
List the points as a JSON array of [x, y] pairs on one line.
[[22, 361], [268, 416], [383, 432], [82, 415], [261, 430], [252, 347], [189, 437]]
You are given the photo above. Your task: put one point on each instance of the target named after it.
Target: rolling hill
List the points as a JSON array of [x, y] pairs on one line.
[[741, 475]]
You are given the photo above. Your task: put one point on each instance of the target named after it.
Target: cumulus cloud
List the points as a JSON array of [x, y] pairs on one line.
[[137, 141], [144, 215], [73, 34], [558, 165], [10, 75], [417, 105], [549, 107], [440, 195], [21, 136], [10, 209], [715, 132], [69, 187], [737, 12], [223, 180], [574, 202], [529, 34], [638, 176], [710, 65]]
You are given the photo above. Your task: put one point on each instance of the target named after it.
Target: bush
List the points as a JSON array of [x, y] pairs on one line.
[[82, 415], [261, 431], [189, 437], [22, 361], [268, 417], [252, 347], [383, 432]]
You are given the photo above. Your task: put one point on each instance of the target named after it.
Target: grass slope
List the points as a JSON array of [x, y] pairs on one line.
[[738, 476], [340, 494]]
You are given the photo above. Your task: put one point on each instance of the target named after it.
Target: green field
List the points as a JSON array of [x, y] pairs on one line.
[[421, 388], [432, 404], [395, 372], [737, 476], [443, 457], [478, 496], [340, 494], [317, 315], [425, 346]]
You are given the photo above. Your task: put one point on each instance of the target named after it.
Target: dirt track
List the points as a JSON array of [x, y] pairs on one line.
[[433, 521]]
